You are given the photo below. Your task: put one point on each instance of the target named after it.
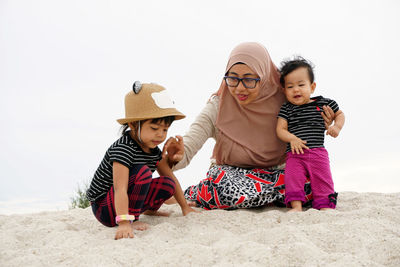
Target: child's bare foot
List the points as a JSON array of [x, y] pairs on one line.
[[326, 209], [141, 226], [156, 213], [295, 210], [170, 201], [296, 206]]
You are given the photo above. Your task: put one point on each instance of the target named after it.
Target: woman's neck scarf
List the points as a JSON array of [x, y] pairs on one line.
[[247, 134]]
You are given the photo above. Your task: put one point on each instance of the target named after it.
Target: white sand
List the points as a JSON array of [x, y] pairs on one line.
[[363, 231]]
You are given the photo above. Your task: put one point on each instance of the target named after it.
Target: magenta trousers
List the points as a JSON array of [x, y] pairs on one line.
[[314, 163]]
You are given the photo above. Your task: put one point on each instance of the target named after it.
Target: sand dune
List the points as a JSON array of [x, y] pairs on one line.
[[363, 231]]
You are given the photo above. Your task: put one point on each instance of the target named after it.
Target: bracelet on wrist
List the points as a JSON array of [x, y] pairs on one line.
[[124, 217]]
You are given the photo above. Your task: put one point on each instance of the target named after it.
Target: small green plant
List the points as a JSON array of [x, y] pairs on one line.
[[80, 200]]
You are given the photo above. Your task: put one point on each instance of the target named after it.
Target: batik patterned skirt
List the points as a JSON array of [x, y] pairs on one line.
[[228, 187]]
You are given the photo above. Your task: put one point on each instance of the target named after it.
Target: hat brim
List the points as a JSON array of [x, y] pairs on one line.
[[164, 113]]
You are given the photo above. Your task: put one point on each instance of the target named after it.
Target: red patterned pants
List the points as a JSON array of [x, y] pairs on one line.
[[144, 193], [228, 187]]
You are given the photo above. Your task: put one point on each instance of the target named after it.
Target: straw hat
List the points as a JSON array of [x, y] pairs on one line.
[[148, 101]]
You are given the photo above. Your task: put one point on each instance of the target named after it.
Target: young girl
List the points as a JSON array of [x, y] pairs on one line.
[[122, 187], [301, 125]]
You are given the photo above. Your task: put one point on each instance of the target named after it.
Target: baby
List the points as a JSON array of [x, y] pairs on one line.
[[301, 125]]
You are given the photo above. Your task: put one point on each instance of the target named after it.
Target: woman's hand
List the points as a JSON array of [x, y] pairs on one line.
[[328, 115], [173, 150], [333, 131], [124, 230]]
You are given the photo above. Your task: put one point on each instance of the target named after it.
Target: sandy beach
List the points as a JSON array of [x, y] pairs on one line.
[[363, 231]]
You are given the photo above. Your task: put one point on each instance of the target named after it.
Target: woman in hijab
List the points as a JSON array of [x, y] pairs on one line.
[[247, 167]]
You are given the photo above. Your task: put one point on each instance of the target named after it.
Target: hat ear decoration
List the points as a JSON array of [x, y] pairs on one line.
[[137, 86]]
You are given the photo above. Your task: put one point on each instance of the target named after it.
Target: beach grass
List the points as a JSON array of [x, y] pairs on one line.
[[79, 200]]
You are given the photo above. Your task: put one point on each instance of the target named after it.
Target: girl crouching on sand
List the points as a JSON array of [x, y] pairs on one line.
[[122, 187]]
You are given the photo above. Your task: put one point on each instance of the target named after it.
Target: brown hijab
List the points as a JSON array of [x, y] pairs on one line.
[[247, 134]]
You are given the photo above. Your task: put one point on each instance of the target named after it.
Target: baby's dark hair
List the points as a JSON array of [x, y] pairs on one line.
[[287, 66], [166, 120]]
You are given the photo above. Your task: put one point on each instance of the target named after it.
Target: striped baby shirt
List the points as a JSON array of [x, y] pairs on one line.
[[305, 121]]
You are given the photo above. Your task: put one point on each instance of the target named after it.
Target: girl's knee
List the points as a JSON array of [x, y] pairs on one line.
[[140, 173], [168, 184], [103, 215]]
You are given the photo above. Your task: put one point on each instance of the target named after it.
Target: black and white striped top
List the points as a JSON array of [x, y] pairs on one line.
[[306, 122], [127, 152]]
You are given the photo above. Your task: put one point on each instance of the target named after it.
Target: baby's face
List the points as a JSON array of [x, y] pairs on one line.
[[298, 87]]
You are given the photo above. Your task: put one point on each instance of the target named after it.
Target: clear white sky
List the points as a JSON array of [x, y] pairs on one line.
[[65, 67]]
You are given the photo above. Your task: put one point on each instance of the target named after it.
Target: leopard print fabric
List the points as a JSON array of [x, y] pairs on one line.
[[228, 187]]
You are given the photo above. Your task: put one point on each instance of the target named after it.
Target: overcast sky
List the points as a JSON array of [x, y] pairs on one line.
[[65, 67]]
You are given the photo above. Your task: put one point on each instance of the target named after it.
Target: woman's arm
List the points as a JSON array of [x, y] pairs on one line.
[[328, 115], [199, 132], [164, 170], [120, 180]]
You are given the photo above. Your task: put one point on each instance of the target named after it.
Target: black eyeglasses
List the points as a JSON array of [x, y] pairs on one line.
[[233, 81]]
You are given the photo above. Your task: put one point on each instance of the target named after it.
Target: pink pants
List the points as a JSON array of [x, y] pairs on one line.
[[314, 163]]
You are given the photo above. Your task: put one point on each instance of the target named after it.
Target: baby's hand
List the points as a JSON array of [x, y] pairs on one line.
[[297, 146], [333, 131], [124, 230]]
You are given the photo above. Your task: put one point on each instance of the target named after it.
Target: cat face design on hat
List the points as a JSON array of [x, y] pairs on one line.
[[162, 99], [150, 101]]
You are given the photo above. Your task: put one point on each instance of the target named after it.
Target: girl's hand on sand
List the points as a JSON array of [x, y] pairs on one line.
[[297, 146], [333, 131], [328, 115], [186, 210], [174, 149], [191, 203], [124, 230]]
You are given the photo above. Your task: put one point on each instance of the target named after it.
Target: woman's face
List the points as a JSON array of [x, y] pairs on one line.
[[242, 94]]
